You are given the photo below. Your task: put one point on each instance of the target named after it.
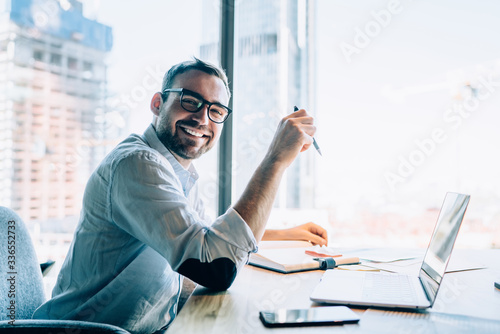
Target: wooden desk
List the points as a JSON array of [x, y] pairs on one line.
[[236, 310]]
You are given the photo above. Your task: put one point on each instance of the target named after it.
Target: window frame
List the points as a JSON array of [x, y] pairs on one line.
[[225, 157]]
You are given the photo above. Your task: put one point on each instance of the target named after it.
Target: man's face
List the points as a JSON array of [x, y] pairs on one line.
[[186, 134]]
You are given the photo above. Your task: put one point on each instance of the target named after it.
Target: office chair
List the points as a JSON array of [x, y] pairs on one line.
[[21, 287]]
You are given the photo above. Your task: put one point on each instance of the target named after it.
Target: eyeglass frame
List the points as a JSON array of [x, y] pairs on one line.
[[197, 95]]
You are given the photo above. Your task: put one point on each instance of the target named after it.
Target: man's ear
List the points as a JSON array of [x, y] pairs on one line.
[[156, 103]]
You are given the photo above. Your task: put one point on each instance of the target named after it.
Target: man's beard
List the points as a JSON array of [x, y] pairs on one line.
[[175, 144]]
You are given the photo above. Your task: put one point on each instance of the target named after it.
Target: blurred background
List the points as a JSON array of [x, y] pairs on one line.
[[405, 96]]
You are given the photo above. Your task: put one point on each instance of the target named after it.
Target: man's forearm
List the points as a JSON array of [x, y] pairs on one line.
[[254, 206]]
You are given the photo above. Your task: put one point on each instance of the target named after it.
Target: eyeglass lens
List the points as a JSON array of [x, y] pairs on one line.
[[216, 112]]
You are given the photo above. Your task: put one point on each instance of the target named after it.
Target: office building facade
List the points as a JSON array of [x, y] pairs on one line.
[[274, 72], [53, 114]]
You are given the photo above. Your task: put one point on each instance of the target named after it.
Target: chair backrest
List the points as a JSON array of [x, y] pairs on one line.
[[20, 275]]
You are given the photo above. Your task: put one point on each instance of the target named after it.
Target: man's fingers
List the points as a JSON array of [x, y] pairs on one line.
[[305, 147], [294, 134], [318, 230], [316, 239], [308, 128], [306, 119]]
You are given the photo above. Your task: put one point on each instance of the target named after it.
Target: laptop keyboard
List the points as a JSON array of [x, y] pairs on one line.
[[389, 288]]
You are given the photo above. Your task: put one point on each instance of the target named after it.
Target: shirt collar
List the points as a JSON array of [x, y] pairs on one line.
[[187, 177]]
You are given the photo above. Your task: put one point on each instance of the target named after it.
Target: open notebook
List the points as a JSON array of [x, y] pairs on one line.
[[290, 256]]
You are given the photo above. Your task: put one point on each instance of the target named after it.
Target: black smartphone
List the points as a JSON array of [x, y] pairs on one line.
[[315, 316]]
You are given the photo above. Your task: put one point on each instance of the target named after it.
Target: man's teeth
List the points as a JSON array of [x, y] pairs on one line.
[[193, 133]]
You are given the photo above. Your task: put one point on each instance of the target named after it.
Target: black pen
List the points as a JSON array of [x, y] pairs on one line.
[[314, 140]]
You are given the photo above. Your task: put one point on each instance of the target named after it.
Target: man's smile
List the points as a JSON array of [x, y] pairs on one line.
[[193, 132]]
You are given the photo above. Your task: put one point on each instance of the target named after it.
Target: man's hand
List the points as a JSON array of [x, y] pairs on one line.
[[306, 232], [294, 134]]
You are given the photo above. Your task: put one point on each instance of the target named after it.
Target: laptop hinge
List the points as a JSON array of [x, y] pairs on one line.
[[427, 293]]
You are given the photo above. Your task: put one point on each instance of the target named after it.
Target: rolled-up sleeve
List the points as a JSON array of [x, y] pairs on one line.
[[148, 203]]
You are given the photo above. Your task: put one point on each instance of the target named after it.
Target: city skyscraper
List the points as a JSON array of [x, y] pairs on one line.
[[54, 121], [274, 72]]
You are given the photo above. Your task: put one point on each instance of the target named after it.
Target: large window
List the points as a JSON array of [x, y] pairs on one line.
[[68, 99], [405, 97], [144, 51]]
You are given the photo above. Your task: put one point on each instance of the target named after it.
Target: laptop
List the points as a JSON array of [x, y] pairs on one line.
[[392, 290]]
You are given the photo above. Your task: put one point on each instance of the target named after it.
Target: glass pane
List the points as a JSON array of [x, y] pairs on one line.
[[405, 112], [273, 73], [77, 79], [409, 110]]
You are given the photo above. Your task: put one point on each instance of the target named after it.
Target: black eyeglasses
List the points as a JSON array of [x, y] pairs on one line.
[[193, 102]]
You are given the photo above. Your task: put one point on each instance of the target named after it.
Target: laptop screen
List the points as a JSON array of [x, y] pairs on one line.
[[442, 241]]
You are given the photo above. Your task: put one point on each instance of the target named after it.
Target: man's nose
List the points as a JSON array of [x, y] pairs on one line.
[[202, 115]]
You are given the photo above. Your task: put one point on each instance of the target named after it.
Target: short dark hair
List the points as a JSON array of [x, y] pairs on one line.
[[195, 64]]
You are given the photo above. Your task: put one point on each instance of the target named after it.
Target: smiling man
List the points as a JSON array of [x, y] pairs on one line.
[[143, 226], [187, 132]]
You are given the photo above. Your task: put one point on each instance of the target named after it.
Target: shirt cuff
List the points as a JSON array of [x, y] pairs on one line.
[[236, 231]]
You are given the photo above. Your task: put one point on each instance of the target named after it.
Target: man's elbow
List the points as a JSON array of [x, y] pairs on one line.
[[217, 275]]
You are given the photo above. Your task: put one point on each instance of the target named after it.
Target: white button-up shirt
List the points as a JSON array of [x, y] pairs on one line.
[[142, 222]]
